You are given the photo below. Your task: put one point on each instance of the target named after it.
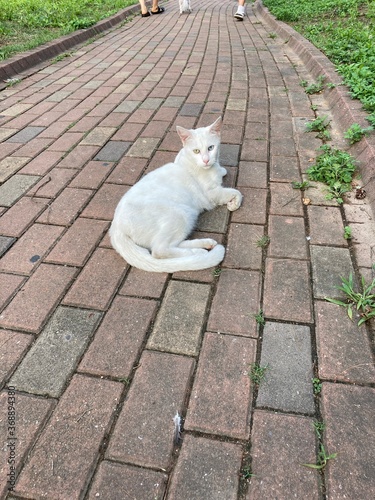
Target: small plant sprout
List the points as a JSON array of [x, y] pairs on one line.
[[257, 373], [356, 132], [246, 472], [363, 302], [301, 185], [314, 88], [347, 232], [323, 458], [259, 318], [320, 125], [272, 35], [317, 386], [263, 242], [217, 271], [319, 428]]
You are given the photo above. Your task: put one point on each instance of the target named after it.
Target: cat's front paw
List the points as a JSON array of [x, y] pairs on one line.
[[235, 202]]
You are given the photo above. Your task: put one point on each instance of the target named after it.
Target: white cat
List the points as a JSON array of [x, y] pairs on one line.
[[185, 6], [159, 212]]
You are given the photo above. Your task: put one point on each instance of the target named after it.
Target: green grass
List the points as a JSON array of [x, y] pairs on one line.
[[26, 24], [345, 31]]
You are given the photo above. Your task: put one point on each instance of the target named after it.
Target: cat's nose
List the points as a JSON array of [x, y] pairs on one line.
[[205, 159]]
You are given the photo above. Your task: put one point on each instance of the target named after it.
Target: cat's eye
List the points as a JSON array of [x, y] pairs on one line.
[[210, 148], [196, 151]]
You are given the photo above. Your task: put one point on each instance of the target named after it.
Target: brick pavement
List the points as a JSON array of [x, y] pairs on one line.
[[102, 355]]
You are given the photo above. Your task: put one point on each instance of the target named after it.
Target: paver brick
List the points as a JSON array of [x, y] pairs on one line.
[[326, 226], [8, 285], [31, 416], [235, 303], [26, 134], [253, 208], [143, 147], [287, 293], [179, 324], [52, 183], [98, 136], [15, 187], [29, 250], [119, 338], [78, 242], [65, 208], [348, 412], [5, 243], [127, 482], [30, 308], [42, 163], [287, 237], [12, 347], [284, 169], [10, 165], [103, 204], [222, 376], [280, 445], [52, 359], [21, 215], [343, 349], [113, 151], [63, 451], [140, 283], [252, 174], [98, 281], [144, 432], [80, 155], [286, 351], [242, 250], [92, 175], [206, 469], [285, 200], [329, 264]]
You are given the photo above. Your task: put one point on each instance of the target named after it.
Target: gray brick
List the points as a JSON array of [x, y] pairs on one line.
[[127, 107], [26, 134], [113, 151], [206, 469], [55, 354], [5, 243], [143, 147], [179, 323], [15, 187], [214, 221], [329, 264], [287, 386], [229, 155], [191, 109]]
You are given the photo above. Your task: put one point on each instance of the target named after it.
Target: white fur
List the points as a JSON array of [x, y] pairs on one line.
[[185, 7], [159, 212]]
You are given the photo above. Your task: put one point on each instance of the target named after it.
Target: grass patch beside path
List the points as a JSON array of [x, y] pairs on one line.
[[345, 31], [26, 24]]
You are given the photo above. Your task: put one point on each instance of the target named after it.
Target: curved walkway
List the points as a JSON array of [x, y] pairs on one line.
[[102, 356]]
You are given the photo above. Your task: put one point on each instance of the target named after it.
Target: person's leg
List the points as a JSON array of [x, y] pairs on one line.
[[144, 9], [240, 14]]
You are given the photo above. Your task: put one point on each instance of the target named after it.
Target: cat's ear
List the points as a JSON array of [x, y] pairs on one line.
[[215, 128], [184, 133]]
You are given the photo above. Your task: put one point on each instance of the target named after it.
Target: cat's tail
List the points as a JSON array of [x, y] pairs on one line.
[[142, 259]]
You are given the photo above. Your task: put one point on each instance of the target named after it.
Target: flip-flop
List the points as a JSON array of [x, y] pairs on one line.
[[145, 15], [159, 11]]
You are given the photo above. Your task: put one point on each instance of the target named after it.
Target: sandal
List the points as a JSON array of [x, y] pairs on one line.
[[146, 15], [159, 11]]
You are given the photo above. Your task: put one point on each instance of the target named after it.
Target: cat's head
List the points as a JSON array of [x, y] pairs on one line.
[[202, 145]]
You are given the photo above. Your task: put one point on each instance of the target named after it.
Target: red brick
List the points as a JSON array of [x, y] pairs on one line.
[[78, 242], [21, 215], [66, 207], [98, 281], [242, 249], [128, 170], [92, 175], [206, 469], [285, 200], [52, 183], [42, 163], [140, 283], [348, 412], [128, 132], [29, 250], [127, 482], [31, 416], [252, 174], [13, 345], [69, 447], [235, 303], [30, 308], [343, 348], [66, 141], [222, 376], [144, 432], [104, 203], [8, 285], [79, 156], [118, 341], [33, 147], [280, 445], [287, 237], [253, 209], [326, 226]]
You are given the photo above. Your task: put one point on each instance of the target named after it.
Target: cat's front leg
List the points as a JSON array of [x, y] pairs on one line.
[[235, 202]]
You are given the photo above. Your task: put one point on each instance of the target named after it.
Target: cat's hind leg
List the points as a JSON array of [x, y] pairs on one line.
[[207, 243]]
